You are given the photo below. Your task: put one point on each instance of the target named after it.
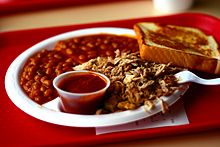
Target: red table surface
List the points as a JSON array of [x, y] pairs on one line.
[[17, 128]]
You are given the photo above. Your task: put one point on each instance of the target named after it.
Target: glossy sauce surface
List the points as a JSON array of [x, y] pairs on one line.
[[82, 83]]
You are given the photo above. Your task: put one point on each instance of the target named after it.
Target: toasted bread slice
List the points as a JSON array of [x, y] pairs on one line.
[[181, 46]]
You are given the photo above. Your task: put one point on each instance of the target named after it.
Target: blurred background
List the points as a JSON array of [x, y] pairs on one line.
[[27, 14]]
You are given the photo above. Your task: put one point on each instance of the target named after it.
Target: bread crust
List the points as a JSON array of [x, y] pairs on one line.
[[176, 57]]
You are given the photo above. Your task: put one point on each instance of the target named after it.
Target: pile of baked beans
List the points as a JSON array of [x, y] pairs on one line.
[[40, 69]]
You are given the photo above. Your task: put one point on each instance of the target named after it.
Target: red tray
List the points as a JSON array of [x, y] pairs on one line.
[[12, 6], [18, 128]]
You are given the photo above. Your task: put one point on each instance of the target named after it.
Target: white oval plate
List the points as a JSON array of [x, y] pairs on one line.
[[46, 113]]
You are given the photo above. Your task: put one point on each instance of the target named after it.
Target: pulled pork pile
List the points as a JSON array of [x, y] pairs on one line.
[[134, 82]]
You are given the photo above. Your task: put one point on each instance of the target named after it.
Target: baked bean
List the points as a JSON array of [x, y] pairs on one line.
[[58, 72], [69, 51], [29, 83], [57, 56], [75, 40], [73, 46], [33, 61], [43, 79], [82, 57], [69, 60], [90, 45], [37, 99], [36, 85], [109, 53], [114, 45], [26, 88], [85, 48], [65, 64], [48, 92], [39, 55], [103, 47], [48, 65], [91, 52], [47, 83], [35, 92], [27, 77], [42, 88], [98, 44], [106, 41], [40, 69], [63, 46], [59, 66], [22, 81]]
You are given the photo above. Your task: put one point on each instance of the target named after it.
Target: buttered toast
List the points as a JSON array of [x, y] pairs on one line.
[[181, 46]]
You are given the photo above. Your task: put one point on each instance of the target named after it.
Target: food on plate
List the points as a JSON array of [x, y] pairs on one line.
[[134, 81], [181, 46], [42, 67]]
